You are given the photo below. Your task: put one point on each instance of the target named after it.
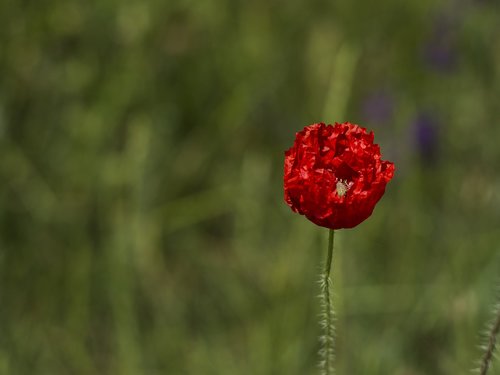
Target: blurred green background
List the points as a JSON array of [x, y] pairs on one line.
[[143, 227]]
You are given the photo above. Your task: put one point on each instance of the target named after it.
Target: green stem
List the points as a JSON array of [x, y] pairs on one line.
[[328, 265], [327, 339], [490, 348]]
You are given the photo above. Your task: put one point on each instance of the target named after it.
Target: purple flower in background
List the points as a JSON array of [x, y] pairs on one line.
[[440, 49], [378, 107], [425, 130], [440, 55]]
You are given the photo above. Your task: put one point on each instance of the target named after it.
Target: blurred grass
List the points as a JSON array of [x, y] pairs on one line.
[[143, 229]]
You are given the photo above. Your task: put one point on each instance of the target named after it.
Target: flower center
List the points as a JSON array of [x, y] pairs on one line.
[[343, 187]]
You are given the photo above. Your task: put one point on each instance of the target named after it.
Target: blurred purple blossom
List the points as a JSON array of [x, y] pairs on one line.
[[440, 49], [425, 130], [378, 107]]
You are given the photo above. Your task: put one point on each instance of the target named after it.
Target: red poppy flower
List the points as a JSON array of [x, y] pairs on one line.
[[334, 175]]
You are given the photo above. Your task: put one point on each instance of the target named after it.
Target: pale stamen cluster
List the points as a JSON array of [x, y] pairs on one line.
[[343, 187]]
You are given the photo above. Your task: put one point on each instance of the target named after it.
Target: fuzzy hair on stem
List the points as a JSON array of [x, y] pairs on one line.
[[326, 353], [490, 345]]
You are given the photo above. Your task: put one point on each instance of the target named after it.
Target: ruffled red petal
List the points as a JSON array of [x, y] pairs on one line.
[[321, 156]]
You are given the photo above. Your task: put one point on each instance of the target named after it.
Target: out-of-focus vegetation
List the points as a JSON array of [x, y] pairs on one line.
[[143, 228]]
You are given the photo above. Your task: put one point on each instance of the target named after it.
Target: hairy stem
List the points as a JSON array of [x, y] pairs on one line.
[[490, 347], [326, 351]]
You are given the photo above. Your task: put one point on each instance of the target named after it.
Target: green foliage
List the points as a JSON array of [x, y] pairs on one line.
[[142, 224]]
